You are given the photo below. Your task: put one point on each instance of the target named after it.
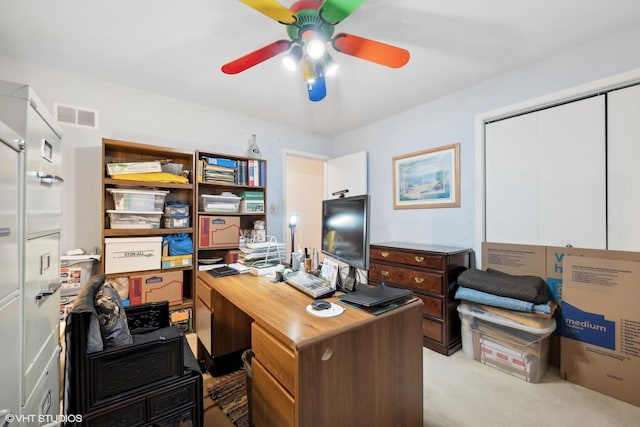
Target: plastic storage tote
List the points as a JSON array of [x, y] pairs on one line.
[[514, 342]]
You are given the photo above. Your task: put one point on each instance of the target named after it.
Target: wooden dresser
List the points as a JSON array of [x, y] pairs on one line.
[[430, 272]]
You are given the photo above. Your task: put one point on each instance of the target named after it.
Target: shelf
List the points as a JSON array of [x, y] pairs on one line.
[[120, 232], [231, 185], [146, 184]]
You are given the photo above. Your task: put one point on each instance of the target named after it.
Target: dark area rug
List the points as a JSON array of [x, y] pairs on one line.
[[230, 393]]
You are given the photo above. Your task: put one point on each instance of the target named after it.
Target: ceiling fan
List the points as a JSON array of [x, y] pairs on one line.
[[310, 26]]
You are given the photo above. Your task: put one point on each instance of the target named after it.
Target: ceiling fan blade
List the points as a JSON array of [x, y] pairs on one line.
[[256, 57], [380, 53], [334, 11], [272, 9], [317, 89]]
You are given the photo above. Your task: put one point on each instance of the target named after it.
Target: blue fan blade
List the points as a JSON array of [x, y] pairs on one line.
[[317, 90]]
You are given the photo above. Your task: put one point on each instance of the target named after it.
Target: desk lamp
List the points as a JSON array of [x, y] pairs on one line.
[[293, 220]]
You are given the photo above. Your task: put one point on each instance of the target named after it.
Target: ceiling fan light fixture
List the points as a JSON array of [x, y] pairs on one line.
[[315, 48], [292, 59], [309, 73], [330, 66]]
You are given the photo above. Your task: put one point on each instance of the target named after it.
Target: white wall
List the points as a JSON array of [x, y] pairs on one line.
[[451, 119], [134, 115], [144, 117]]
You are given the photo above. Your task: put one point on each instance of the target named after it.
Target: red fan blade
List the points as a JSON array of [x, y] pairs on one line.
[[256, 57], [272, 9], [370, 50]]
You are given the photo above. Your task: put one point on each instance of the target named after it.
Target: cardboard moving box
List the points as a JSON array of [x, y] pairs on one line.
[[601, 326], [156, 287], [219, 231]]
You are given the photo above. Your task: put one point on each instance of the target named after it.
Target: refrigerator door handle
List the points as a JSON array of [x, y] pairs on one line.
[[5, 231]]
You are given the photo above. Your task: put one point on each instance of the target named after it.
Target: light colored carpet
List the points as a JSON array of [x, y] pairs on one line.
[[460, 391]]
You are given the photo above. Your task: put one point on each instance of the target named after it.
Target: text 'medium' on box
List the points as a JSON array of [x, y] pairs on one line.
[[600, 330]]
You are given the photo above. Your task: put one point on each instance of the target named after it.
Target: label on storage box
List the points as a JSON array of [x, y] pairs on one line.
[[588, 327]]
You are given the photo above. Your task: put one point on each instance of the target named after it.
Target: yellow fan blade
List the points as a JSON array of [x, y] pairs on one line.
[[272, 9]]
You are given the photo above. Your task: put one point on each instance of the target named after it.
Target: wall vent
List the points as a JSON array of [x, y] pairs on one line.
[[76, 116]]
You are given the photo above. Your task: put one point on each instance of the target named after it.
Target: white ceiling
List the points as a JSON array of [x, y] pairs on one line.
[[176, 48]]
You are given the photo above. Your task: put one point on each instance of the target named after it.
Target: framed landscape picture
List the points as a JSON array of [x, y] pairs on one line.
[[427, 179]]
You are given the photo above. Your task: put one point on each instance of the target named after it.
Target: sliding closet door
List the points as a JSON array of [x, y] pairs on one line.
[[545, 177], [511, 195], [623, 170], [572, 174]]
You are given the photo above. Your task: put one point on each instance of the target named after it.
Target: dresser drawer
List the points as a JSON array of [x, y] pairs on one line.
[[432, 329], [271, 404], [432, 306], [435, 262], [279, 360], [411, 278]]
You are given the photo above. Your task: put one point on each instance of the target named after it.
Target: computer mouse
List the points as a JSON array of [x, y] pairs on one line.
[[320, 304]]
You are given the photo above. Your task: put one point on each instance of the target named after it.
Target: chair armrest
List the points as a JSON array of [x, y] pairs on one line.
[[147, 317]]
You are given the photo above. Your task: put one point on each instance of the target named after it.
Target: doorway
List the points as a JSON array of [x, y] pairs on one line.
[[305, 178]]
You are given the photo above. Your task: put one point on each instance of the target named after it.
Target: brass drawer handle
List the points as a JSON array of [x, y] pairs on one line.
[[384, 273], [384, 254], [418, 279], [419, 258]]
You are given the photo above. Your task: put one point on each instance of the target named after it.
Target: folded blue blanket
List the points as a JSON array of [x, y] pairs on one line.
[[499, 301]]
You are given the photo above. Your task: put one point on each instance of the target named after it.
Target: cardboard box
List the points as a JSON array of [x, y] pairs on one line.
[[177, 261], [219, 231], [601, 326], [252, 206], [545, 262], [156, 287], [124, 254]]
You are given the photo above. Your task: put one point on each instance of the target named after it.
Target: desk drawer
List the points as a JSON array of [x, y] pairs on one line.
[[435, 262], [276, 358], [205, 293], [416, 279], [271, 404]]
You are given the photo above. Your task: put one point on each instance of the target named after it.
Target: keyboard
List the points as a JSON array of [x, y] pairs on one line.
[[315, 287]]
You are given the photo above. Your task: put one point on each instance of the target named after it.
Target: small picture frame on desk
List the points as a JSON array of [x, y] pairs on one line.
[[349, 284]]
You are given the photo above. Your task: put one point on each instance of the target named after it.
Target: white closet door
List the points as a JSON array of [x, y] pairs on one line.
[[572, 174], [545, 177], [511, 186], [623, 171]]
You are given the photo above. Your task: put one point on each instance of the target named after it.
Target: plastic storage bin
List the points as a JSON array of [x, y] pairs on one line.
[[220, 203], [134, 219], [176, 208], [517, 344], [176, 221], [138, 200]]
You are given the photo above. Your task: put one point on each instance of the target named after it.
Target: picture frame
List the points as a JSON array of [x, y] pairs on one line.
[[427, 179]]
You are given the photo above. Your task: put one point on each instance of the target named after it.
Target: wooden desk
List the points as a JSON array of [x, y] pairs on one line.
[[355, 369]]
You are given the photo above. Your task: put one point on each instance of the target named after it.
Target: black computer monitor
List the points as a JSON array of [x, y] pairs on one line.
[[345, 231]]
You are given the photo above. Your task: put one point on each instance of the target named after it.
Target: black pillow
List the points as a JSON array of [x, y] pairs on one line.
[[113, 320]]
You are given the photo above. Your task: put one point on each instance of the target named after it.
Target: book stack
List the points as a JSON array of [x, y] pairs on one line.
[[215, 169], [241, 172]]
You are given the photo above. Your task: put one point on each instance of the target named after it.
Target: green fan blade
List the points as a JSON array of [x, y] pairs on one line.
[[334, 11]]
